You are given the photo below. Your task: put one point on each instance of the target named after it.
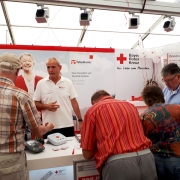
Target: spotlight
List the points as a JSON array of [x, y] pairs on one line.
[[170, 24], [42, 14], [85, 18], [134, 22]]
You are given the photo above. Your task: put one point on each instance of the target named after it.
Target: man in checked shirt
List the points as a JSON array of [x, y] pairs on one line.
[[16, 110]]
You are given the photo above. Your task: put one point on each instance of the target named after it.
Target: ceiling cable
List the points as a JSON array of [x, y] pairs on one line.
[[47, 26], [143, 6]]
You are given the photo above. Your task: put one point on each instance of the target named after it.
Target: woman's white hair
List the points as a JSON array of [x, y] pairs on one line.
[[26, 54]]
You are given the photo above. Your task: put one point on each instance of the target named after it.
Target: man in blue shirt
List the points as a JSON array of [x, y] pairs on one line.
[[171, 77]]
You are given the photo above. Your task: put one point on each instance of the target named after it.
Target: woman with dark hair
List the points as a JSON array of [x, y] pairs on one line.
[[161, 123]]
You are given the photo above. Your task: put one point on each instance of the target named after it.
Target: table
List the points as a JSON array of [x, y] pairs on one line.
[[53, 159], [140, 105]]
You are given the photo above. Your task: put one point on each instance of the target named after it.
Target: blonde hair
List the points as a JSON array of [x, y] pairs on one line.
[[27, 54]]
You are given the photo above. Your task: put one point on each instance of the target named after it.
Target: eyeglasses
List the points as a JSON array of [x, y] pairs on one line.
[[169, 80]]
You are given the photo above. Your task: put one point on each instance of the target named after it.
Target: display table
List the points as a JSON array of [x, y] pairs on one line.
[[51, 159], [140, 105]]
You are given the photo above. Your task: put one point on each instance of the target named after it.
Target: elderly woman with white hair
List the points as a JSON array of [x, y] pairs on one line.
[[27, 81]]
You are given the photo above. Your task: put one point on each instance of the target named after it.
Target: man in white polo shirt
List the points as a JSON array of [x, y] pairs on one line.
[[55, 96]]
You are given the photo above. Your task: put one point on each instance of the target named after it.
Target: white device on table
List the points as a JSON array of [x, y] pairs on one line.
[[57, 139]]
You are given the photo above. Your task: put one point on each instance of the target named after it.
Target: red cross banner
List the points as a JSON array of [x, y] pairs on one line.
[[131, 73]]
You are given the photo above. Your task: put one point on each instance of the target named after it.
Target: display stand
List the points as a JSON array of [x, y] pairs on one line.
[[53, 163]]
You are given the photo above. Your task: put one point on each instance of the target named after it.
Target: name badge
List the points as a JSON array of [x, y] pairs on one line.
[[61, 87], [49, 91]]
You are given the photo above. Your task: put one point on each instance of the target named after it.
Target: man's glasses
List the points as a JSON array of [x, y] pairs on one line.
[[169, 80]]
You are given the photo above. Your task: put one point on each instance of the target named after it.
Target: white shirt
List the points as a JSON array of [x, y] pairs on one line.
[[47, 92]]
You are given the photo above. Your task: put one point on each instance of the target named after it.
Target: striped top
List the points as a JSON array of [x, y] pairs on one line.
[[16, 110], [112, 127]]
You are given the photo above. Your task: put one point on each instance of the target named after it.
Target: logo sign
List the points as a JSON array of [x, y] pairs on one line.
[[73, 61], [133, 59], [90, 56], [174, 56], [121, 58], [80, 62]]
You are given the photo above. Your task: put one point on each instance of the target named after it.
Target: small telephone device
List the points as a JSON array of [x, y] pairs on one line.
[[57, 139], [34, 146]]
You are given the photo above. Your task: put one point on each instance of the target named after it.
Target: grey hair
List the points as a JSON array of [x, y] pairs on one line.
[[57, 61], [53, 58], [170, 69]]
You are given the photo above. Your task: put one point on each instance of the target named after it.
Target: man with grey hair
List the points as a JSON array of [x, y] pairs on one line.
[[16, 110], [171, 77], [27, 81], [56, 97]]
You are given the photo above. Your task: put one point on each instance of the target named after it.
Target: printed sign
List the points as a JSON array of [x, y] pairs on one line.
[[120, 72], [63, 173], [85, 170], [174, 58]]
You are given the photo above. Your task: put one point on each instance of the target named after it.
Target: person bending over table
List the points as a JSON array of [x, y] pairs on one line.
[[112, 133]]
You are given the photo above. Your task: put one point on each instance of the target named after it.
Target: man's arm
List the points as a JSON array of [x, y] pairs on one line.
[[88, 154], [76, 109], [75, 106], [88, 137], [41, 130], [51, 106]]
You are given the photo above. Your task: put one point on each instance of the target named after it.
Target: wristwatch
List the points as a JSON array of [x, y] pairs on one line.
[[80, 120]]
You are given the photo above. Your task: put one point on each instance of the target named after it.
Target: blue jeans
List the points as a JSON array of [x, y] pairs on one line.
[[167, 167]]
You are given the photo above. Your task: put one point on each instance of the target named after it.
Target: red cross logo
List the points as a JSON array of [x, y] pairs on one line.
[[121, 59]]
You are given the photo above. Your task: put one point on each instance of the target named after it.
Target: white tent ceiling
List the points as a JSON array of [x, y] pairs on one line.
[[107, 28]]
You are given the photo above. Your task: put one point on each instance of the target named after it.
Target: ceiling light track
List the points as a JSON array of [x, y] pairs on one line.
[[135, 6]]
